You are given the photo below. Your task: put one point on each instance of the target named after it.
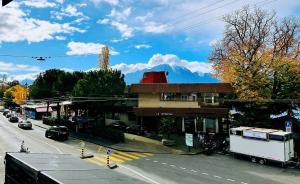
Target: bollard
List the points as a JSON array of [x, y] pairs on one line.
[[107, 160], [82, 152]]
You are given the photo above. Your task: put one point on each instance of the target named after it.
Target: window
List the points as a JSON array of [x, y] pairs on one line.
[[276, 137], [184, 97], [210, 98], [168, 96]]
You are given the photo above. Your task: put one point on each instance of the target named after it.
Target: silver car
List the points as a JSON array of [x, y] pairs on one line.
[[25, 124]]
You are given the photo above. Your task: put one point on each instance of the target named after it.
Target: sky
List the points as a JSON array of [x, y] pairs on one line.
[[141, 34]]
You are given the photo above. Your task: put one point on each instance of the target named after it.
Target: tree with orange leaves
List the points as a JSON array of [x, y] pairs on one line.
[[259, 55]]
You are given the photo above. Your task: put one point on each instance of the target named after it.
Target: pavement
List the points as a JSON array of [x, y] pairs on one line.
[[133, 143], [149, 167]]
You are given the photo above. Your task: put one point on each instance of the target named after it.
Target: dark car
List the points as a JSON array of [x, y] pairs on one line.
[[134, 129], [8, 115], [25, 124], [14, 119], [118, 125], [57, 132]]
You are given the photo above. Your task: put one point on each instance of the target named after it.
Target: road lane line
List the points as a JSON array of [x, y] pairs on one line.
[[155, 161], [114, 158], [172, 165], [204, 173], [138, 154], [217, 176], [230, 180], [147, 159], [164, 163], [192, 170], [182, 168], [148, 154], [243, 183], [140, 174]]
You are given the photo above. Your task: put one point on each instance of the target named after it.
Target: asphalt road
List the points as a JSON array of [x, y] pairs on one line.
[[157, 169]]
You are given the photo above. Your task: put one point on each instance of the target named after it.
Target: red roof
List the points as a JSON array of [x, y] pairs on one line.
[[154, 77]]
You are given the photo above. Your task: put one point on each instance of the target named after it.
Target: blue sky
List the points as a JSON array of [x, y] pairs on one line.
[[140, 33]]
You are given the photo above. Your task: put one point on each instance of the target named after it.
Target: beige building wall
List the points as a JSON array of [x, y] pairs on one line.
[[153, 100]]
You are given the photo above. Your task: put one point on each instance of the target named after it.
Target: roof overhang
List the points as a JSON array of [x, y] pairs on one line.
[[183, 88]]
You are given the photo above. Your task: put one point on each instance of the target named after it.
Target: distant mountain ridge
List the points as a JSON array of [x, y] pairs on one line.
[[176, 74]]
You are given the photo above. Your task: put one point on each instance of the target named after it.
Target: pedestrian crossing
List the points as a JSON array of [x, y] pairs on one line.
[[117, 157]]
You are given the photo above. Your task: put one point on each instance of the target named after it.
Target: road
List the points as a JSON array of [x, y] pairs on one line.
[[150, 168]]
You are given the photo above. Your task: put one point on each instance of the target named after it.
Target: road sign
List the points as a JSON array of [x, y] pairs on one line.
[[288, 126], [189, 139], [108, 152]]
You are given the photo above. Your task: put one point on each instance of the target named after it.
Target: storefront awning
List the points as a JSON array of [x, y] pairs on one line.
[[43, 109], [183, 112]]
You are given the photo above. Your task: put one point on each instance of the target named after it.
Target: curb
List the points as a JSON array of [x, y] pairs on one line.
[[125, 150], [138, 151]]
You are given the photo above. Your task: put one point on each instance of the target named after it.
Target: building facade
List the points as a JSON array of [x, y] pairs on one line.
[[195, 107]]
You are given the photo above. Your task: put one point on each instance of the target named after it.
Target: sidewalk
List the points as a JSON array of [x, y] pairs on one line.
[[133, 143]]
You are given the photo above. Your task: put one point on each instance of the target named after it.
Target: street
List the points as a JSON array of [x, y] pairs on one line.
[[151, 168]]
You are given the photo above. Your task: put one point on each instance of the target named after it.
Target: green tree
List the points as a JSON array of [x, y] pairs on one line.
[[100, 83], [166, 126]]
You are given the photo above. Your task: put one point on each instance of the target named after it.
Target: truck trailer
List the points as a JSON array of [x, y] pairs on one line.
[[262, 145], [49, 168]]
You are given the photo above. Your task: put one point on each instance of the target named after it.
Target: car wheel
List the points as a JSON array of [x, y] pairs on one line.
[[261, 161], [253, 159]]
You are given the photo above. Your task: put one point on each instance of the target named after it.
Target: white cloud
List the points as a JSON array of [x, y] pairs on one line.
[[154, 27], [60, 37], [21, 77], [11, 67], [168, 59], [120, 15], [38, 3], [146, 46], [70, 11], [79, 48], [111, 2], [124, 29], [17, 26], [60, 1], [103, 21]]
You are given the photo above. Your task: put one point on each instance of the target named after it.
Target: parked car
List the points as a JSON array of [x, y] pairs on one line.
[[25, 124], [5, 112], [14, 119], [57, 132], [8, 115], [118, 125], [134, 129]]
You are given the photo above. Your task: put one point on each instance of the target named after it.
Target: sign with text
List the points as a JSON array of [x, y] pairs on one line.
[[189, 139]]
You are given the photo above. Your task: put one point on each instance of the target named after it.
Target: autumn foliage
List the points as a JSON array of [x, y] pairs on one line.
[[259, 55], [17, 93]]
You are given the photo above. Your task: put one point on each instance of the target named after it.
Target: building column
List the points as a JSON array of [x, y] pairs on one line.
[[195, 123], [204, 125], [183, 127], [217, 125]]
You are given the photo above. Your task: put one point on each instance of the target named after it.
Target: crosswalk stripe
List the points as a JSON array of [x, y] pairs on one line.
[[138, 154], [127, 155], [101, 159], [148, 154], [121, 157], [115, 159]]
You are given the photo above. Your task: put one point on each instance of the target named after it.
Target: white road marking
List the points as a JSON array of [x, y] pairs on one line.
[[230, 180], [182, 168], [155, 161], [172, 165], [217, 176], [140, 174], [193, 170], [204, 173], [243, 183], [147, 159], [164, 163]]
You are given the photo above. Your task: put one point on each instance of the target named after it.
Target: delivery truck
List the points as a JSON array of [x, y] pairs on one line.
[[49, 168], [262, 145]]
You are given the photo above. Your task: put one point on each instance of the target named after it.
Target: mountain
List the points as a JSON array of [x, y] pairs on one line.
[[176, 74]]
